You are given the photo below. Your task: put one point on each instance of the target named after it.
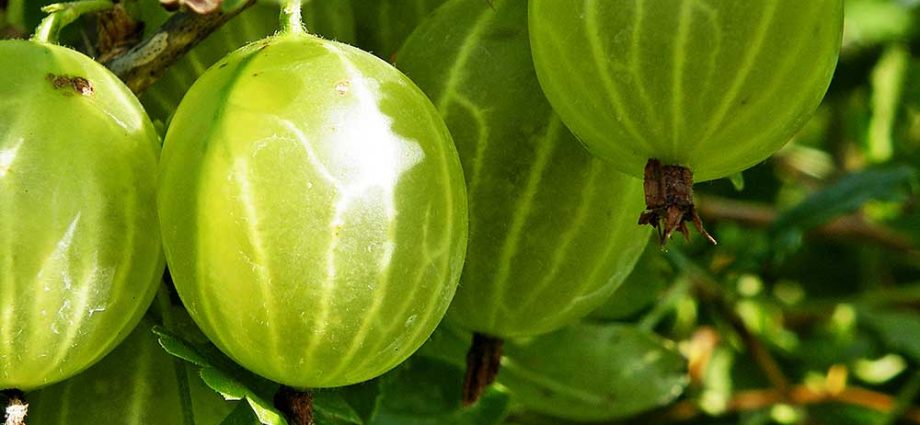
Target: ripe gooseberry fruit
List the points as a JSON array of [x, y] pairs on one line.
[[79, 241], [677, 91], [548, 242], [313, 210]]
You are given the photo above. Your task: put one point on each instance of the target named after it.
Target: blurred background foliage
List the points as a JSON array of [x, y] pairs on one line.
[[807, 312]]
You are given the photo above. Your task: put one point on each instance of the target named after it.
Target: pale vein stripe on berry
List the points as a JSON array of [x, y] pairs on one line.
[[260, 264], [586, 200], [546, 145], [615, 234], [677, 75], [753, 50], [634, 62], [593, 32], [450, 94]]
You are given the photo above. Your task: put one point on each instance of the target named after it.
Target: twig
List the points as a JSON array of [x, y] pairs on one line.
[[755, 346], [851, 226], [902, 404], [141, 66], [904, 296], [800, 395], [708, 290]]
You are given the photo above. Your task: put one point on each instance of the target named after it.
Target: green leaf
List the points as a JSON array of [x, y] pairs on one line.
[[330, 408], [899, 330], [179, 348], [204, 354], [242, 415], [590, 372], [234, 383], [737, 180], [845, 196], [426, 391], [872, 22], [14, 14], [232, 389], [363, 398], [888, 88]]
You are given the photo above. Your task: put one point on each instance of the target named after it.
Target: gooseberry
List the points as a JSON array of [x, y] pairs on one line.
[[549, 233], [313, 211], [682, 91], [79, 241]]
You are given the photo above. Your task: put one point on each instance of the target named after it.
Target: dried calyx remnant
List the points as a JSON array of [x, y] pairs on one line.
[[482, 364], [16, 407], [70, 85], [669, 201]]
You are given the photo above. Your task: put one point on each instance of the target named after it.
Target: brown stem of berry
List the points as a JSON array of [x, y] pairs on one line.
[[297, 406], [16, 408], [482, 364], [669, 201]]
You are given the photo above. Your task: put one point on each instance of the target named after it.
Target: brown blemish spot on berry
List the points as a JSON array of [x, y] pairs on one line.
[[71, 84], [82, 86], [342, 87]]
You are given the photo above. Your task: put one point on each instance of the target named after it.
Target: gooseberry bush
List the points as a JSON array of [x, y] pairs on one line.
[[427, 212]]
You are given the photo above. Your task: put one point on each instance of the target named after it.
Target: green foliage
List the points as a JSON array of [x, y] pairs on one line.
[[594, 372], [843, 197], [424, 391]]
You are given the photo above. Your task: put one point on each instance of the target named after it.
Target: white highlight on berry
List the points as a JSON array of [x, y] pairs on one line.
[[8, 156]]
